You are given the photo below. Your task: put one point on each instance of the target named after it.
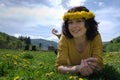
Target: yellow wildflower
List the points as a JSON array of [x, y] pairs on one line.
[[78, 15], [73, 77], [16, 78], [49, 74], [81, 79], [7, 55], [15, 62]]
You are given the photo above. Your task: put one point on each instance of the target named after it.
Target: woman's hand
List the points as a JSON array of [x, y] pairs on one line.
[[92, 63], [94, 66], [55, 32], [88, 66], [85, 69]]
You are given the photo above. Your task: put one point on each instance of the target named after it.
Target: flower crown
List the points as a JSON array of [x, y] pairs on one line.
[[78, 15]]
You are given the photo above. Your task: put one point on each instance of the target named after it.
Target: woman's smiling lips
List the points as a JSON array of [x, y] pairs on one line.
[[76, 31]]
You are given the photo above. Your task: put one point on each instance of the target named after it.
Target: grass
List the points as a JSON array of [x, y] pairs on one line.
[[38, 65]]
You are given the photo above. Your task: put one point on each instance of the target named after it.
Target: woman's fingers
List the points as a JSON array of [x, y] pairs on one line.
[[94, 66], [91, 65], [86, 70], [91, 59], [54, 31], [88, 66], [92, 62], [82, 66], [83, 72]]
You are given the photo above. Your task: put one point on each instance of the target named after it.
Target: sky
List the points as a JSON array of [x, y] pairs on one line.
[[36, 18]]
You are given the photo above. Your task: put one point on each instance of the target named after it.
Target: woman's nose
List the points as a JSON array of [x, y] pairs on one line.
[[74, 24]]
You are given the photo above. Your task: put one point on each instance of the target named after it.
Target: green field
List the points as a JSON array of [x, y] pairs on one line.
[[38, 65]]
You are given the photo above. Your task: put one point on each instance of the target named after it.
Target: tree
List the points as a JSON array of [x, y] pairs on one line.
[[28, 41]]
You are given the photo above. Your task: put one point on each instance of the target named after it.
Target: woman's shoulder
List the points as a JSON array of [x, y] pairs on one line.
[[97, 38], [64, 38]]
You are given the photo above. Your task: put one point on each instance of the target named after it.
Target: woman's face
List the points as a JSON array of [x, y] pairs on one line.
[[77, 28]]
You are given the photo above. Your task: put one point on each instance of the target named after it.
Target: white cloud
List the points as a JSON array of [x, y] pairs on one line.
[[35, 16], [2, 4], [18, 12], [73, 3], [109, 22], [53, 37], [107, 27], [100, 3], [25, 3], [55, 2]]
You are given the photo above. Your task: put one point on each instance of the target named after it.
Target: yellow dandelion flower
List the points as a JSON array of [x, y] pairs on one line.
[[70, 77], [81, 79], [49, 74], [16, 78], [15, 62], [41, 63], [78, 15], [7, 55], [73, 77]]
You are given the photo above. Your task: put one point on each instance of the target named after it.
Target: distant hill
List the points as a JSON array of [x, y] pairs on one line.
[[44, 43], [9, 42], [106, 42], [113, 45]]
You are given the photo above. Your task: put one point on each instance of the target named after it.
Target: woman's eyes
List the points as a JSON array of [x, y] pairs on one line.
[[70, 22], [79, 21]]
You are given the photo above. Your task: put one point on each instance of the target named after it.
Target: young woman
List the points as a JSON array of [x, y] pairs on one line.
[[80, 44]]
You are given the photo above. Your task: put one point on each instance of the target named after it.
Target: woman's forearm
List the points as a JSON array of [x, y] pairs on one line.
[[68, 69]]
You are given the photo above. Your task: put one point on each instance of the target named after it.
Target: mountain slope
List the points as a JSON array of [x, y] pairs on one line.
[[113, 45], [44, 43], [9, 42]]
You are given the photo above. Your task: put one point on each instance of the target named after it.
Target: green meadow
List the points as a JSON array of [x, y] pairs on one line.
[[40, 65]]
